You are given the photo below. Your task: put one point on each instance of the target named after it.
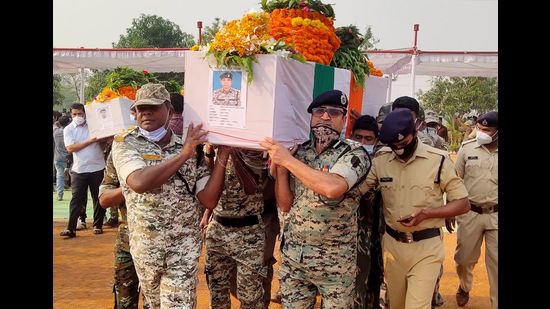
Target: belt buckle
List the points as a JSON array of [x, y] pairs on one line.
[[487, 210], [407, 237]]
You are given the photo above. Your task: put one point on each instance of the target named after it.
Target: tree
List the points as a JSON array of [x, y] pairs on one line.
[[369, 40], [210, 31], [96, 83], [154, 31], [454, 97], [57, 91]]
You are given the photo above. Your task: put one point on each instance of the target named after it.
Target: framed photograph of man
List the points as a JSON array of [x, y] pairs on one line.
[[227, 105]]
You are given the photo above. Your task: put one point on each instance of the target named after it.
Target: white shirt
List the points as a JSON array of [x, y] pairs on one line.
[[88, 159]]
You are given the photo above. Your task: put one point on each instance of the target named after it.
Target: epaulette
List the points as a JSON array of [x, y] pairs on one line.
[[383, 150], [468, 141], [437, 151], [120, 137]]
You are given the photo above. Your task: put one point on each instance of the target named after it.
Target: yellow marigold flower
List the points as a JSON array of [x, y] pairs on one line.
[[307, 21], [195, 47]]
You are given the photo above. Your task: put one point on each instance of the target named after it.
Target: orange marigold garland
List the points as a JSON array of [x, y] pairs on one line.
[[311, 33]]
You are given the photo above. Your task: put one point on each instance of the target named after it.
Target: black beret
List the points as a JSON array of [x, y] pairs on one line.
[[331, 97], [408, 103], [226, 75], [397, 125], [489, 119], [366, 122]]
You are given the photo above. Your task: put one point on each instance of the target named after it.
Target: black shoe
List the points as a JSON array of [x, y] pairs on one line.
[[112, 222], [98, 230], [462, 297], [68, 234]]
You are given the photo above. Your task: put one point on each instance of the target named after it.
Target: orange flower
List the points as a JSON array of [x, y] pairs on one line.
[[127, 91]]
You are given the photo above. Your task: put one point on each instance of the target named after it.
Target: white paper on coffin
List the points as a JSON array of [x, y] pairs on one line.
[[109, 118], [277, 100], [375, 93]]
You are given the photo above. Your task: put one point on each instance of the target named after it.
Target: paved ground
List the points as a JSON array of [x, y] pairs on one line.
[[83, 273]]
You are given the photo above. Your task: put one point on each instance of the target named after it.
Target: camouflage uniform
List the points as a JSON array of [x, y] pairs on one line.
[[319, 248], [241, 247], [126, 286], [163, 223], [231, 98]]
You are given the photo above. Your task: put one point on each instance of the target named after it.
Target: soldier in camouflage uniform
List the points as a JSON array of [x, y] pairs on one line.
[[226, 95], [235, 236], [126, 286], [161, 182], [319, 247]]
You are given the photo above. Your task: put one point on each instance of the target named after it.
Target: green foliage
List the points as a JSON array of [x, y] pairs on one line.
[[172, 85], [454, 97], [124, 76], [209, 32], [369, 41], [153, 31], [348, 56], [314, 5], [57, 91], [96, 83]]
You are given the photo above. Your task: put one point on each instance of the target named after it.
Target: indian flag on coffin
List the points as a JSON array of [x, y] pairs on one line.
[[274, 104]]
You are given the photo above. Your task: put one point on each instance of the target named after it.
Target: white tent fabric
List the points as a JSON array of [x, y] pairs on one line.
[[70, 60], [483, 64]]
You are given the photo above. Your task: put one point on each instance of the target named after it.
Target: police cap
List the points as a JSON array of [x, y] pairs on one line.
[[331, 97], [489, 119], [397, 125], [226, 75]]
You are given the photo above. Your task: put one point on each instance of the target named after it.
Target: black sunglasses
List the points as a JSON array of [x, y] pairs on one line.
[[332, 112]]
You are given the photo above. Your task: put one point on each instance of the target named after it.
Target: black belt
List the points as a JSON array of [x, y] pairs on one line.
[[236, 222], [408, 237], [483, 210]]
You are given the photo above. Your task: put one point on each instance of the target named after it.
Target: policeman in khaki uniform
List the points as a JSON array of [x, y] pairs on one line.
[[413, 177], [319, 247], [477, 164], [161, 182], [226, 95]]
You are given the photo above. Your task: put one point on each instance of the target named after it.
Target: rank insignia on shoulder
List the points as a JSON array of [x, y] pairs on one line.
[[151, 157], [386, 179], [472, 158], [120, 137]]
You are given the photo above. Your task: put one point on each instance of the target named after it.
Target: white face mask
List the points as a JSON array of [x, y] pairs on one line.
[[79, 120], [369, 148], [156, 135], [133, 118], [483, 138], [399, 152]]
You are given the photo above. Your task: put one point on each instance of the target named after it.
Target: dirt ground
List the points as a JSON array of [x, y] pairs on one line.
[[83, 273]]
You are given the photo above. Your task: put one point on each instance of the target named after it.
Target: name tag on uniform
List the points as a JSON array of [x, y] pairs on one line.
[[386, 179], [152, 157], [472, 158]]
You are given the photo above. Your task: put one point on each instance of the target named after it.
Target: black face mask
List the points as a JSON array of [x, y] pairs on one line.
[[407, 150]]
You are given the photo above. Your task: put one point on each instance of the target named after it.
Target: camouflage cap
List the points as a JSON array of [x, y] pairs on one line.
[[151, 94], [226, 75]]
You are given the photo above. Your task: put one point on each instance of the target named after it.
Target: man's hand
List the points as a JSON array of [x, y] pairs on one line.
[[450, 224], [277, 152], [414, 219], [195, 136]]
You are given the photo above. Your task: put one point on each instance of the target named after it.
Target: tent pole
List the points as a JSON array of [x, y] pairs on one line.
[[81, 85], [388, 92], [413, 74]]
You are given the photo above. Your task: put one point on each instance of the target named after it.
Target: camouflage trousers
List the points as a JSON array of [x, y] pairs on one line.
[[166, 264], [126, 286], [306, 270], [235, 247]]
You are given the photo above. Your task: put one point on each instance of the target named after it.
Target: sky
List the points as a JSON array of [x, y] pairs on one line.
[[444, 24]]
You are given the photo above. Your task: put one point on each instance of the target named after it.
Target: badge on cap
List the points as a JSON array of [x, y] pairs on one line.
[[400, 136], [343, 100], [484, 122]]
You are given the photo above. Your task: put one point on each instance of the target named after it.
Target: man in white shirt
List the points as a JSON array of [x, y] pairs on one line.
[[87, 169]]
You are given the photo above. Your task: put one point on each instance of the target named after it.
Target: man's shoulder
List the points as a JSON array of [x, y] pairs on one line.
[[469, 143], [131, 131]]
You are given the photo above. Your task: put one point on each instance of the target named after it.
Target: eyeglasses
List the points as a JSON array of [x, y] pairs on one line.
[[332, 112]]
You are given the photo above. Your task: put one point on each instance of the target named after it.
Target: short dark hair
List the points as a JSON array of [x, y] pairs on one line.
[[79, 106], [56, 115], [408, 103], [177, 102], [64, 120], [366, 122]]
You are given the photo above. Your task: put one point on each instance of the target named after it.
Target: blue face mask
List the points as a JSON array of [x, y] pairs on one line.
[[369, 148], [156, 135]]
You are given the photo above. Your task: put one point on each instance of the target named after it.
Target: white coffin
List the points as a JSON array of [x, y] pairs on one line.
[[109, 118]]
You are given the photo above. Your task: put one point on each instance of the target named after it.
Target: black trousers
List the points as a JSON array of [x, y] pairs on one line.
[[80, 182]]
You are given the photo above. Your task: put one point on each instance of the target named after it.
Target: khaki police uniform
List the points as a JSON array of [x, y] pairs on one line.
[[163, 223], [235, 239], [230, 98], [479, 169], [411, 269], [319, 248]]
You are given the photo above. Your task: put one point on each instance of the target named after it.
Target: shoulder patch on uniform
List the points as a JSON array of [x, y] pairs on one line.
[[120, 137], [382, 151], [437, 151], [151, 156], [468, 141]]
